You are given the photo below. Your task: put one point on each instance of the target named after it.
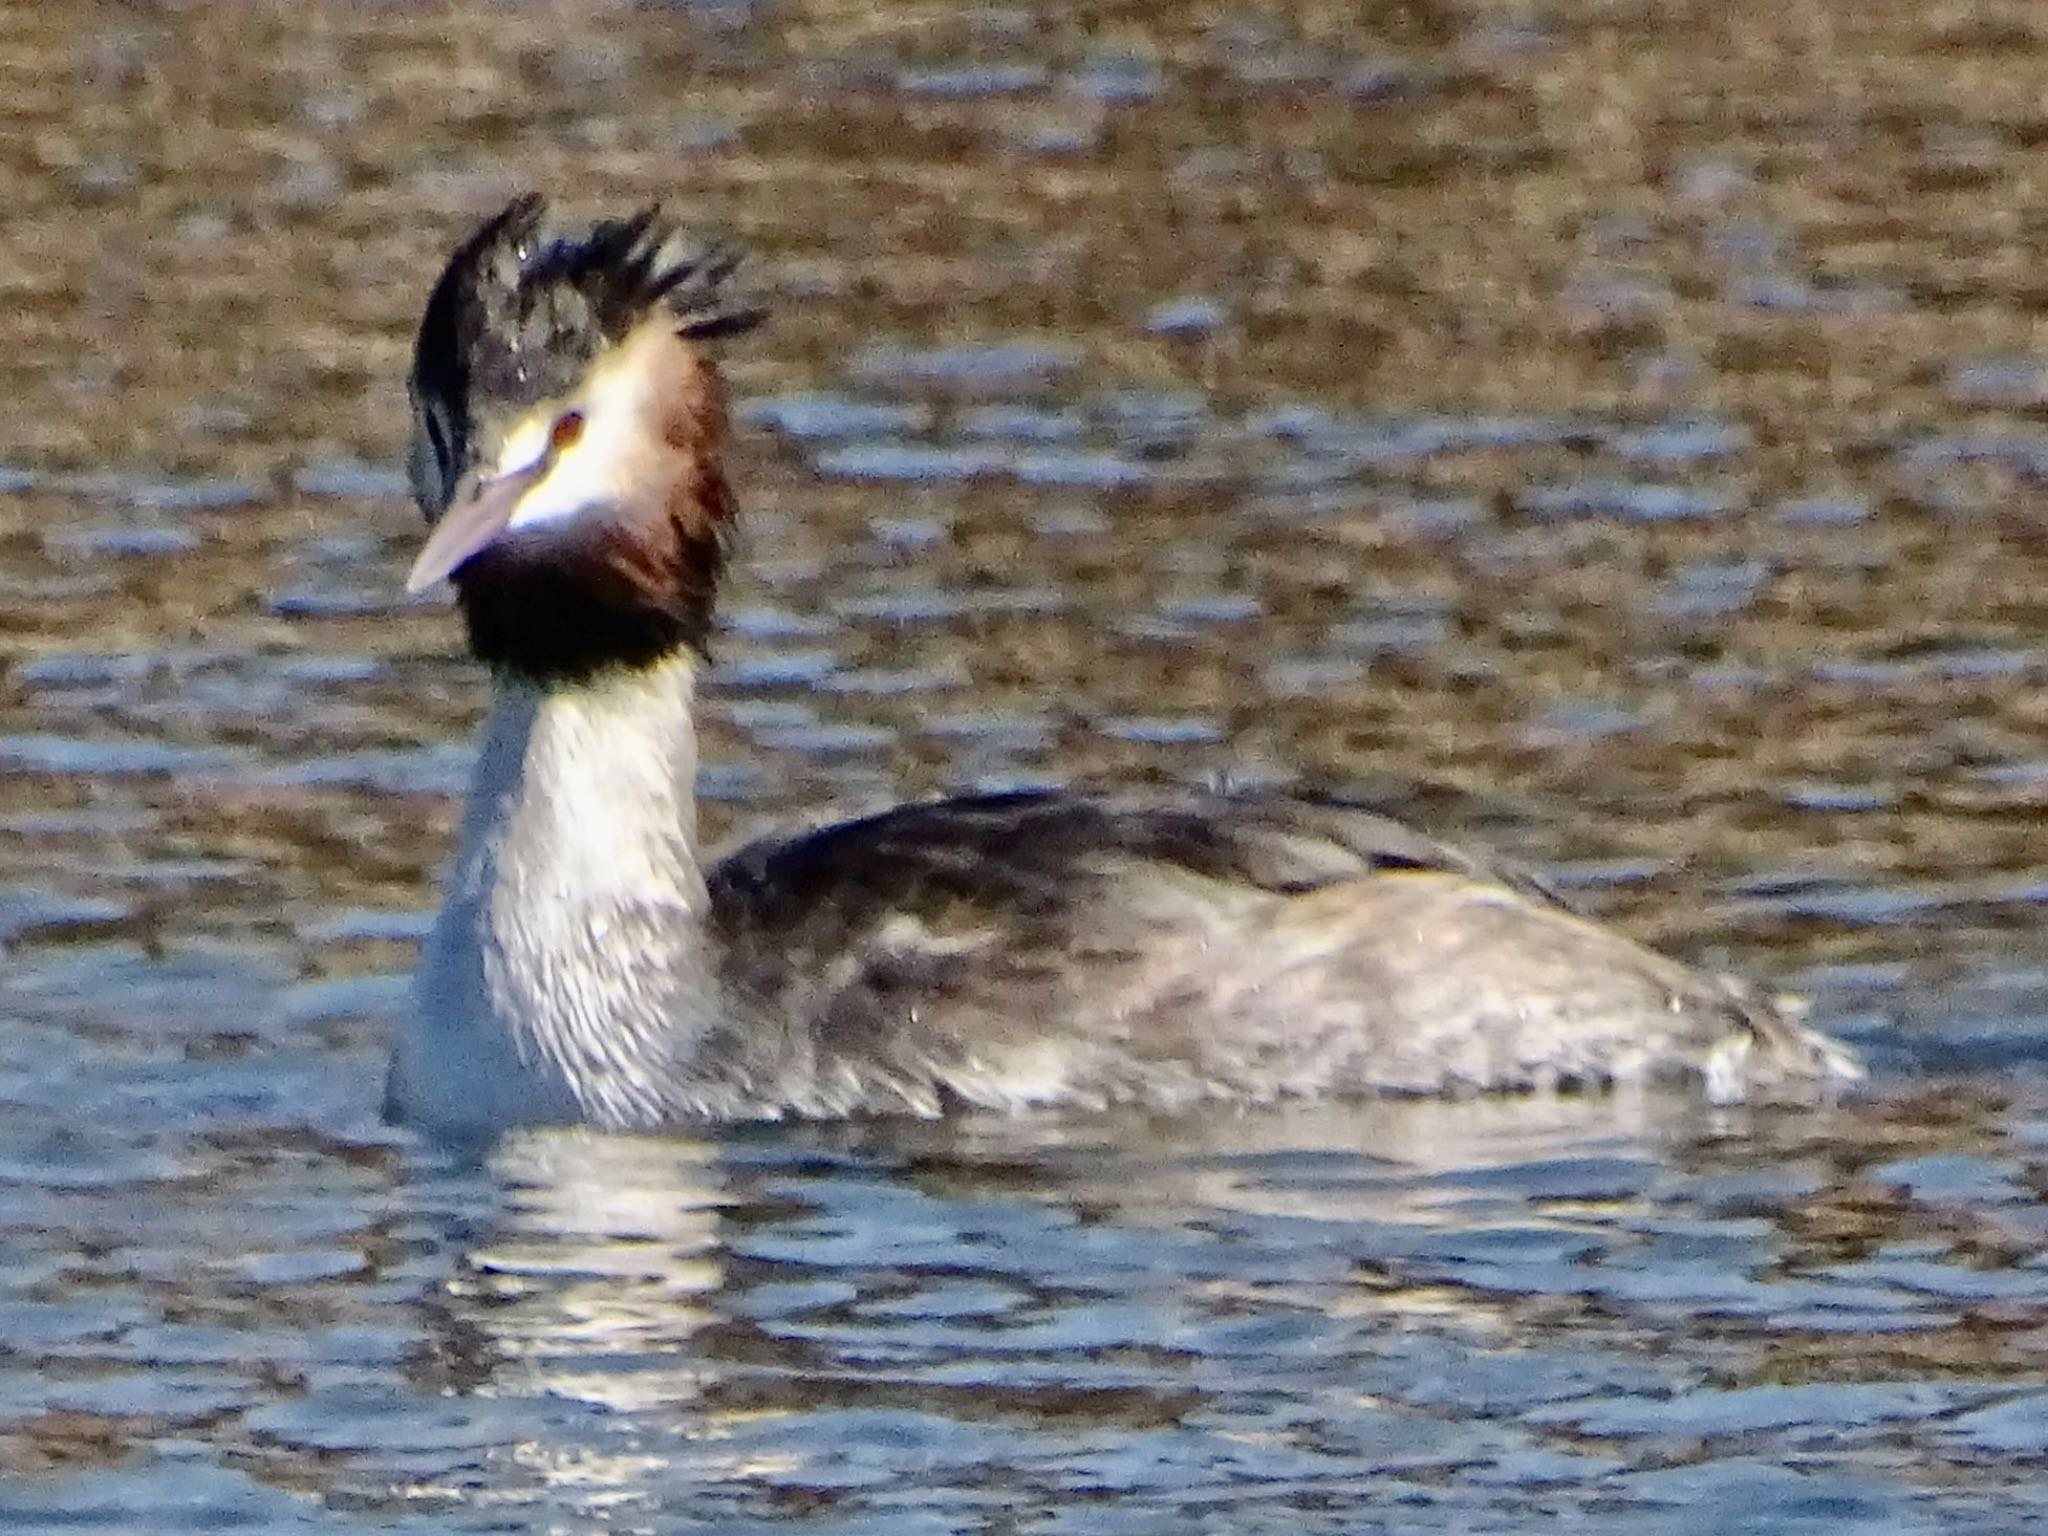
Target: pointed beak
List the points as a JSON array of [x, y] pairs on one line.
[[472, 523]]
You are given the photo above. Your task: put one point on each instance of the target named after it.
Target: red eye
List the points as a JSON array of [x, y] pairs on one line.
[[567, 429]]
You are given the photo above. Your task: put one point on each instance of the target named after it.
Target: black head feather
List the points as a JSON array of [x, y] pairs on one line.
[[527, 303]]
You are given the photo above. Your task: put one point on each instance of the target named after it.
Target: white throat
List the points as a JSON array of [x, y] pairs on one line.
[[570, 975]]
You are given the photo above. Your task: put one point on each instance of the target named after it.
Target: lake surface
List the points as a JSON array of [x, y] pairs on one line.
[[1616, 434]]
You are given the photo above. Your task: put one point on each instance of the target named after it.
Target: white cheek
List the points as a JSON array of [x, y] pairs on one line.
[[583, 479], [525, 447], [588, 476]]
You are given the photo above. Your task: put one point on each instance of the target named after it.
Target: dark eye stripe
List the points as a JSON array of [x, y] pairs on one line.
[[432, 460], [437, 437]]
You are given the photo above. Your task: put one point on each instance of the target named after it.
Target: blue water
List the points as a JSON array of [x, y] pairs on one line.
[[1587, 436]]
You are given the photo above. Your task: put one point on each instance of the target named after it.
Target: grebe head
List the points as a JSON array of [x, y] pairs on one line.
[[569, 438]]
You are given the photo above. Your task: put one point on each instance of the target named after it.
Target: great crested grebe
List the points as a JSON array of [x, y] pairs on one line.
[[1005, 951]]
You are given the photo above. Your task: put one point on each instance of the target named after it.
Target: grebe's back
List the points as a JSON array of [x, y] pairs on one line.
[[1010, 951]]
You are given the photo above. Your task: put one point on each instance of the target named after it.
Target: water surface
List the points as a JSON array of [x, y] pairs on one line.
[[1615, 438]]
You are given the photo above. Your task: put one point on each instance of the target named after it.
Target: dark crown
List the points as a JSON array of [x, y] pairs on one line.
[[527, 302]]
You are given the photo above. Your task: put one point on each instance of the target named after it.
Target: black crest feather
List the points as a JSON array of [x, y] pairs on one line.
[[528, 301]]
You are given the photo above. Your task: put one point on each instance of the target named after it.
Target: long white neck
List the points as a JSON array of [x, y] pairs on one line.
[[571, 975]]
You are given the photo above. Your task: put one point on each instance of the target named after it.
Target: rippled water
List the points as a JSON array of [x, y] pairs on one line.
[[1615, 437]]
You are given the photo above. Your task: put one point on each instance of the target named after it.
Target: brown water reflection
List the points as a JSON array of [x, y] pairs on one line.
[[1617, 432]]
